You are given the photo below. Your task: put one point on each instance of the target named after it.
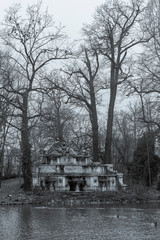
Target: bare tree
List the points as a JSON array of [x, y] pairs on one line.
[[147, 83], [82, 134], [112, 33], [4, 128], [123, 141], [32, 42], [82, 87], [5, 113], [56, 117]]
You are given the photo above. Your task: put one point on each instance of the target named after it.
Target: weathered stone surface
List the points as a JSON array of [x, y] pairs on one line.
[[73, 172]]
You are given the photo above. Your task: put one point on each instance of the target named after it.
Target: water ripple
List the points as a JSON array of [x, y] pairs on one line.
[[109, 223]]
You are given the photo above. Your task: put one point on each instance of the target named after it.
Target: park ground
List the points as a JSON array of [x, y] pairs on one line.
[[12, 194]]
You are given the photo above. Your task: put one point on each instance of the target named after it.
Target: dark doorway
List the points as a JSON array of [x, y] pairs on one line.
[[76, 184], [72, 184], [82, 184]]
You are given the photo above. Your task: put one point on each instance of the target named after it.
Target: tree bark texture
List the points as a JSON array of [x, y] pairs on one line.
[[108, 141], [94, 123], [1, 167], [93, 108], [113, 92], [26, 147]]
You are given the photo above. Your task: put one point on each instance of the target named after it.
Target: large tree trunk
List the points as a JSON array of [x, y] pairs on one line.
[[108, 141], [95, 142], [26, 147], [94, 122], [1, 165], [59, 128], [113, 92], [2, 159]]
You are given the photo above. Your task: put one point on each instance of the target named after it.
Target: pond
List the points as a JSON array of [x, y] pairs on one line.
[[79, 223]]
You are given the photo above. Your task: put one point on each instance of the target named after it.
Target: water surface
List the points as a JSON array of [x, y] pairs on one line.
[[80, 223]]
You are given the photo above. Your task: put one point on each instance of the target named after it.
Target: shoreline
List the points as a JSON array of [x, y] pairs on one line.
[[12, 194], [67, 199]]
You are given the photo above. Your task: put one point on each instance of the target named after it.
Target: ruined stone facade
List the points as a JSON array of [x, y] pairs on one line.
[[65, 170]]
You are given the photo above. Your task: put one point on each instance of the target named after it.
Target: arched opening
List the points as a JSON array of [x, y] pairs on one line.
[[76, 184]]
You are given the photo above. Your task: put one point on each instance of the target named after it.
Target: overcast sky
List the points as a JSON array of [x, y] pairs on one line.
[[71, 13]]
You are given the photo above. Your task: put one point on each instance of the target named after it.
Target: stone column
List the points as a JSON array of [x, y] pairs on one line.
[[77, 186]]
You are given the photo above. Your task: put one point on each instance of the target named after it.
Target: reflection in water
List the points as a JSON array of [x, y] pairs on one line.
[[109, 223], [25, 229]]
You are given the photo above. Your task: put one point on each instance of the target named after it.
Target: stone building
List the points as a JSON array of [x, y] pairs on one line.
[[65, 170]]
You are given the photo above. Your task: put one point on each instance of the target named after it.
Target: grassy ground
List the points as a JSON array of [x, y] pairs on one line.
[[10, 187]]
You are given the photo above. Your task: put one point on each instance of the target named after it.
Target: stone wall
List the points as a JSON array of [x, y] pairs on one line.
[[69, 174]]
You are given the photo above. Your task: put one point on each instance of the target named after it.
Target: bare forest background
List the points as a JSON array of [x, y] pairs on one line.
[[52, 89]]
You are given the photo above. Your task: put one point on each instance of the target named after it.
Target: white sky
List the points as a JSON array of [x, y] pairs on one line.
[[71, 13]]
